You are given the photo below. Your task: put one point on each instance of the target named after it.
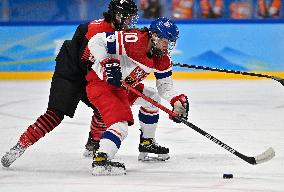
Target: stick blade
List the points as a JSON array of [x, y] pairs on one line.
[[265, 156]]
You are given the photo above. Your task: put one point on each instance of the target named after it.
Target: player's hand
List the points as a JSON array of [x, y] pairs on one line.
[[112, 71], [180, 107]]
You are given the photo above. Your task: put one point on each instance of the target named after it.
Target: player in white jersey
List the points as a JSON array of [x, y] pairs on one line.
[[130, 56]]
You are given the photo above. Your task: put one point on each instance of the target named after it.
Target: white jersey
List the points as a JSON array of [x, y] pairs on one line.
[[131, 49]]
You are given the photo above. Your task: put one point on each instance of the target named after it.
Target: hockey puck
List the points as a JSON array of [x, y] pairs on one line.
[[227, 176]]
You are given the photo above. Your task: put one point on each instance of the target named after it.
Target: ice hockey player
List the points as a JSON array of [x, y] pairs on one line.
[[130, 57], [68, 84]]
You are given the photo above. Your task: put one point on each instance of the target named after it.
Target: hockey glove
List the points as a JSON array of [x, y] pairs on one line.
[[180, 107], [112, 71]]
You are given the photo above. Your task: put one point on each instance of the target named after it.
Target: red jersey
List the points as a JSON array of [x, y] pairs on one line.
[[131, 49], [94, 27]]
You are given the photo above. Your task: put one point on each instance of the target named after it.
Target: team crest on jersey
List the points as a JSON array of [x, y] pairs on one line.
[[167, 24], [136, 76]]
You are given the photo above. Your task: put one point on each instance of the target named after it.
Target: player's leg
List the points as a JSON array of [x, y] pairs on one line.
[[43, 125], [97, 129], [148, 119], [109, 145], [107, 98], [63, 100]]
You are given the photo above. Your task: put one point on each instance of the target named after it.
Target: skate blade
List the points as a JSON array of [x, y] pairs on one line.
[[144, 157], [5, 162], [103, 171]]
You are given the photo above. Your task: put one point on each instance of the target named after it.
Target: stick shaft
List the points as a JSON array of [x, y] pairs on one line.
[[250, 160], [279, 79]]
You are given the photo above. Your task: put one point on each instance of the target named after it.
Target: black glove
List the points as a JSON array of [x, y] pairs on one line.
[[180, 107], [112, 71]]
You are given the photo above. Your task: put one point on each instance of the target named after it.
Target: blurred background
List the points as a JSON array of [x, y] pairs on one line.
[[82, 10], [233, 34]]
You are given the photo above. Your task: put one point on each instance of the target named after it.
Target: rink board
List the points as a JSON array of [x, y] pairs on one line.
[[176, 75], [240, 46]]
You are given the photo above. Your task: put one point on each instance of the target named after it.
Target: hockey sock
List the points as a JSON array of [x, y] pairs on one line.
[[44, 124], [97, 127], [112, 138], [148, 120]]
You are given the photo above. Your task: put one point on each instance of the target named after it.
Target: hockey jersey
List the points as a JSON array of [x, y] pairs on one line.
[[131, 49], [74, 56], [94, 27]]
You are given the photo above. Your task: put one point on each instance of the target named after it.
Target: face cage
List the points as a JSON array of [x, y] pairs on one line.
[[171, 45], [123, 19]]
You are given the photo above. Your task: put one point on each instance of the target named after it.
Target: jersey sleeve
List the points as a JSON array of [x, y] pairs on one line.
[[165, 86], [164, 82], [80, 33], [101, 46]]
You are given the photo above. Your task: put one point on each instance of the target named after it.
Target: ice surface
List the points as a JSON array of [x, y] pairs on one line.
[[246, 115]]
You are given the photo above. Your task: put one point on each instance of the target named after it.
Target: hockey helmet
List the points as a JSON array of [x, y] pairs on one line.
[[164, 28], [121, 10]]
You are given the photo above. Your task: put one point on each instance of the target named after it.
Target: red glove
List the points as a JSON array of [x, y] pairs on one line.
[[180, 107]]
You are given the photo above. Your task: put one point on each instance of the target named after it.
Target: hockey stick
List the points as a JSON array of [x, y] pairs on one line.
[[263, 157], [279, 79]]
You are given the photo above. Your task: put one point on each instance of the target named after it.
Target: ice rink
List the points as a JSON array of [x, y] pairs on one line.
[[246, 115]]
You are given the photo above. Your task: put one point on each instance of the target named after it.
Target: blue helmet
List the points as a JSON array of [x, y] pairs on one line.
[[165, 28]]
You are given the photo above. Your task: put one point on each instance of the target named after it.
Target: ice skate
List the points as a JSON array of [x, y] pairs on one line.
[[91, 147], [102, 166], [11, 156], [149, 146]]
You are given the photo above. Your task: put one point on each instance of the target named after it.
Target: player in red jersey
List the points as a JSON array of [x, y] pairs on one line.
[[130, 57], [68, 85]]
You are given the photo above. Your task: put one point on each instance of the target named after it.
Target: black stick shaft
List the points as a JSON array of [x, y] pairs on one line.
[[250, 160], [279, 79]]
